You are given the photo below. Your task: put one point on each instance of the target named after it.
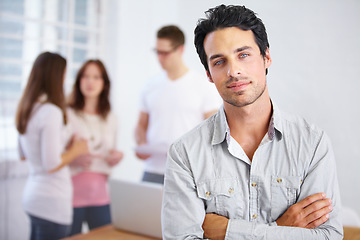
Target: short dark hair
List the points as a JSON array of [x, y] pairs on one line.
[[222, 17], [173, 33], [77, 100]]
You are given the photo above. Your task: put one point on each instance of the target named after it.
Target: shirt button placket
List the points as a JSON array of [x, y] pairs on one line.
[[253, 199]]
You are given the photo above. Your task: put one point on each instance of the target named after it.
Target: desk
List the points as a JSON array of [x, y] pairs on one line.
[[351, 233], [108, 232]]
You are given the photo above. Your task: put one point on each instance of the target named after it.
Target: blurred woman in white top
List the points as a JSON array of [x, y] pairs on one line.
[[40, 121], [90, 117]]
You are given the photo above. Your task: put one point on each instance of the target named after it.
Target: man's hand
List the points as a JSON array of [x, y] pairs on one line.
[[215, 226], [310, 212]]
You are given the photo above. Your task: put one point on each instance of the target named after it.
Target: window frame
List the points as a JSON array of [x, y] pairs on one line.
[[91, 48]]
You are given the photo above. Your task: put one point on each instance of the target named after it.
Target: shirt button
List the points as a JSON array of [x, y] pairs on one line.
[[279, 180], [231, 190], [254, 216], [254, 184], [208, 194]]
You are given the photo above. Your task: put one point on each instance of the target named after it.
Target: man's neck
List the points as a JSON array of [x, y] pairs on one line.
[[249, 124], [177, 71]]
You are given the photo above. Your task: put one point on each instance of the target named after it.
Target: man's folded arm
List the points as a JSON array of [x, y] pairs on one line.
[[183, 212], [324, 222]]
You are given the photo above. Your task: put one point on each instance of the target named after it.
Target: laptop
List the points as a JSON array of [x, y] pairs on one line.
[[136, 206]]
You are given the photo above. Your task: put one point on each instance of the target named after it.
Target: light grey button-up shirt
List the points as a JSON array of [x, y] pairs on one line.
[[208, 172]]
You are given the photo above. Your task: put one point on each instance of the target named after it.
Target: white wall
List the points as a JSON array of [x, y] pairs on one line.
[[316, 57]]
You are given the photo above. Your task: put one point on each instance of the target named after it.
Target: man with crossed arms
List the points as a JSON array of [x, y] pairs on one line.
[[250, 171]]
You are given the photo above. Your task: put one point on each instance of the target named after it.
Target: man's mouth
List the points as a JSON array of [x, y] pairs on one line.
[[238, 86]]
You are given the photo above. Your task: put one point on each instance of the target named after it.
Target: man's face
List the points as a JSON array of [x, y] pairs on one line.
[[168, 55], [236, 65]]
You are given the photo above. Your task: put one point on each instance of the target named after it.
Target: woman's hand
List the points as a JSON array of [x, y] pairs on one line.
[[75, 149], [83, 161], [114, 157]]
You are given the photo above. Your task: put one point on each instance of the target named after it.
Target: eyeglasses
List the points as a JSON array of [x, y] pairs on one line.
[[165, 53]]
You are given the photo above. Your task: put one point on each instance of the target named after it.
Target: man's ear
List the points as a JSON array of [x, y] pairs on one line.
[[181, 48], [209, 77], [267, 59]]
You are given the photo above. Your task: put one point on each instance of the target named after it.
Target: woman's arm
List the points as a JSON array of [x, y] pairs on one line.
[[77, 148], [53, 156]]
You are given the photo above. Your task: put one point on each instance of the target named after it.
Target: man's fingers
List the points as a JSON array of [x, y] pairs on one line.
[[310, 212], [318, 222], [319, 214], [311, 199], [316, 206]]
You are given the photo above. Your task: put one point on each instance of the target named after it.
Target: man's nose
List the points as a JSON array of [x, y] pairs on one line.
[[234, 69]]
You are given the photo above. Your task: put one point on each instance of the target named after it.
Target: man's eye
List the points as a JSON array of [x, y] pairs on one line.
[[218, 62], [244, 55]]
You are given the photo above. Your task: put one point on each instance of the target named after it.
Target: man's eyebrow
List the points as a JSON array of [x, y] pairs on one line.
[[235, 51], [242, 49], [215, 56]]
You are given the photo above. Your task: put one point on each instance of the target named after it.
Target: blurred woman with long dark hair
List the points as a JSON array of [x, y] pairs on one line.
[[40, 121]]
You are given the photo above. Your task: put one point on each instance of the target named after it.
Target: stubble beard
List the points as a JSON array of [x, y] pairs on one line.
[[234, 101]]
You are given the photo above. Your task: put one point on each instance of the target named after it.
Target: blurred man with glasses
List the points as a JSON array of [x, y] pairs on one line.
[[172, 103]]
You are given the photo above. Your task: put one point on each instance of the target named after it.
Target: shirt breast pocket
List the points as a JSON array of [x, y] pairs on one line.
[[223, 197], [284, 193]]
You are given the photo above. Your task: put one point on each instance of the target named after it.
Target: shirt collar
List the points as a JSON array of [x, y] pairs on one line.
[[222, 131], [220, 126], [276, 121]]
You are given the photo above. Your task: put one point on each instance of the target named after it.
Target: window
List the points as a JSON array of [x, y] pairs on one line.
[[27, 28]]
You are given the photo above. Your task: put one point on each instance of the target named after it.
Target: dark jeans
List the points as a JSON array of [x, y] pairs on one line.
[[153, 177], [94, 216], [42, 229]]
